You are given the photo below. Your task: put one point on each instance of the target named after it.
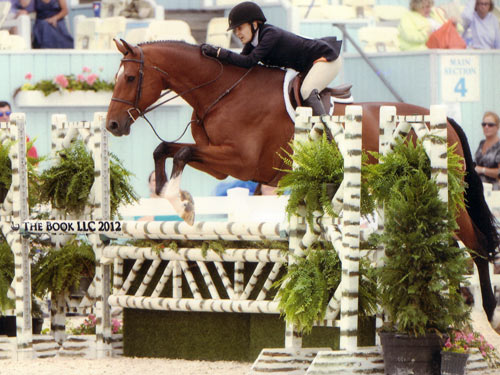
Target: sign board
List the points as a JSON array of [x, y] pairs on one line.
[[460, 78]]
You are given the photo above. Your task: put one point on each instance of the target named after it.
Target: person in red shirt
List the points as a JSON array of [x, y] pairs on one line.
[[5, 111]]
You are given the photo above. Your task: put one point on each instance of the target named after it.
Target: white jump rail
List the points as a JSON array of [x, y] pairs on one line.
[[13, 211]]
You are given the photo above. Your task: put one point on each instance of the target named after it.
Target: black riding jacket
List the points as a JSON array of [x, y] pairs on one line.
[[278, 47]]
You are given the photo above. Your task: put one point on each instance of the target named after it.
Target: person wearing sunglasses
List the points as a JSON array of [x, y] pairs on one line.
[[488, 153], [5, 112], [481, 29]]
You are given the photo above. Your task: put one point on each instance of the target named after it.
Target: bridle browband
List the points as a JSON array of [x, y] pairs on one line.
[[135, 105]]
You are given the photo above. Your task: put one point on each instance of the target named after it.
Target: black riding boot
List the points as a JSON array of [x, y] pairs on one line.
[[315, 103]]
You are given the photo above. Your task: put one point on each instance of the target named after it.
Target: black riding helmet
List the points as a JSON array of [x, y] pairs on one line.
[[246, 11]]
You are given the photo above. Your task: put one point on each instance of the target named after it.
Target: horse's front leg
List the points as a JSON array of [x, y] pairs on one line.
[[160, 155], [182, 201]]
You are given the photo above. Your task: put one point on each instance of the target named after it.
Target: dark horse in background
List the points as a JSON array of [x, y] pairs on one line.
[[240, 123]]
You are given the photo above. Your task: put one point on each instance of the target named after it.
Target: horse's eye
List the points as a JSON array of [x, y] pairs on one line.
[[130, 78]]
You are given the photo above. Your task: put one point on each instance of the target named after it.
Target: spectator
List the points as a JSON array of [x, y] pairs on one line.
[[50, 29], [5, 111], [152, 185], [488, 153], [481, 26], [16, 9], [416, 25], [152, 194], [222, 187]]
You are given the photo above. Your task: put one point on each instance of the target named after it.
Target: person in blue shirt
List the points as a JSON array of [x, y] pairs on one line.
[[481, 26], [317, 59], [16, 9], [50, 30]]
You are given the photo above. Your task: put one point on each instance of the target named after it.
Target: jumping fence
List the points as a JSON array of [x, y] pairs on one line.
[[174, 265]]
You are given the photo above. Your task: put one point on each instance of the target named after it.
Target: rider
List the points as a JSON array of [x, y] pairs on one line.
[[318, 59]]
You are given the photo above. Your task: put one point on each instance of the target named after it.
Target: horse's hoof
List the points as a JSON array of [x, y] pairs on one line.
[[188, 202], [495, 321], [188, 217]]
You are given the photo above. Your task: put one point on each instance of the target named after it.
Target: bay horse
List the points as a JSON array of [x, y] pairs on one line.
[[239, 124]]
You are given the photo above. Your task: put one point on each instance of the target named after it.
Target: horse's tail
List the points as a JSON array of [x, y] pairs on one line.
[[476, 204]]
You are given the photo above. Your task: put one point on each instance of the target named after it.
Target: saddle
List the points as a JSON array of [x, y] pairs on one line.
[[341, 92]]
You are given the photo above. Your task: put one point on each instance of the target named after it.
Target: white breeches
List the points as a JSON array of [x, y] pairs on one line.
[[319, 76]]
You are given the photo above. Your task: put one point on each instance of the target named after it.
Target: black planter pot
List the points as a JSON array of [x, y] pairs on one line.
[[36, 325], [453, 363], [8, 325], [409, 355]]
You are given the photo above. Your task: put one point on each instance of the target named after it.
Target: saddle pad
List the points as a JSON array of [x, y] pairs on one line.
[[290, 74]]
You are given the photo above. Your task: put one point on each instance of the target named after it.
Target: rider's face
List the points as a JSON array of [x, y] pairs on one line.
[[244, 32]]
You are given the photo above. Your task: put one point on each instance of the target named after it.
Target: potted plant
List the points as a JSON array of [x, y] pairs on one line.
[[457, 348], [59, 271], [67, 185], [83, 89], [88, 326], [7, 322], [316, 178], [6, 172], [37, 316], [309, 284], [423, 268]]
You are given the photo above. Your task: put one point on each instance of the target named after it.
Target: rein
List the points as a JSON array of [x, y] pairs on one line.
[[135, 104]]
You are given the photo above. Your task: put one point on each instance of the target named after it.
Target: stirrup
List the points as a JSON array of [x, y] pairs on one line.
[[314, 101]]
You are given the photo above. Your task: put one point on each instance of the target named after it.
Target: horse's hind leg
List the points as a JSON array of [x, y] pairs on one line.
[[471, 237]]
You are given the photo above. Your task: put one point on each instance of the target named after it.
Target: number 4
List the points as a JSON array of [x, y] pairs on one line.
[[460, 87]]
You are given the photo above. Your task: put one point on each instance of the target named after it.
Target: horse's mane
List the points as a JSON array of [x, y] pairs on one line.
[[155, 42]]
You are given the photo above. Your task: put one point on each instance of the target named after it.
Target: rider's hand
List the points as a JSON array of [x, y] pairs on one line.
[[209, 50]]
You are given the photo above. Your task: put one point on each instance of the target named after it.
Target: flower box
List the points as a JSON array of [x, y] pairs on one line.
[[35, 98]]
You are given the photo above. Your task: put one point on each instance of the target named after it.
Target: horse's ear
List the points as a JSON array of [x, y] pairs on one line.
[[120, 46], [127, 46]]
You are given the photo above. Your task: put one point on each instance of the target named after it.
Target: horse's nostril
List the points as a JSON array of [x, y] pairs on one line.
[[113, 125]]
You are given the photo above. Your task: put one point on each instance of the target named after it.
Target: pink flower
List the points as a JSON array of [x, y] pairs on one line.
[[115, 325], [28, 76], [92, 78], [61, 80], [86, 69], [80, 78]]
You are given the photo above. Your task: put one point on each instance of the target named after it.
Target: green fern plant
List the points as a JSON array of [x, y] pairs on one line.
[[423, 268], [309, 284], [6, 172], [404, 160], [6, 275], [317, 177], [318, 163], [60, 270], [67, 185]]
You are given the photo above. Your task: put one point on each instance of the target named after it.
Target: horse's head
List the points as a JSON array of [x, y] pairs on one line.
[[137, 87]]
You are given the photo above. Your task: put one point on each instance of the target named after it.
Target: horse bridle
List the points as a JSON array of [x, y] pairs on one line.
[[135, 104]]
